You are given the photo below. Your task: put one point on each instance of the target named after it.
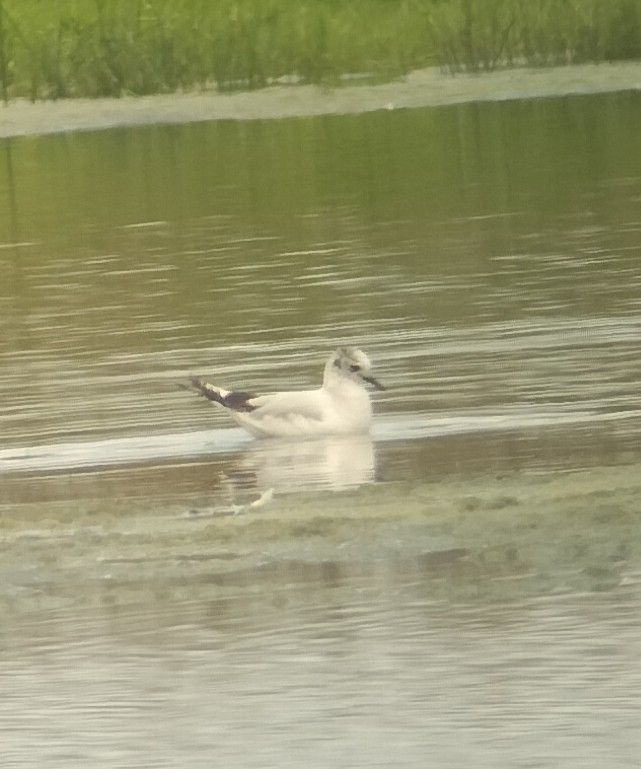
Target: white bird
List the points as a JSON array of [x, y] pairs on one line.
[[341, 406]]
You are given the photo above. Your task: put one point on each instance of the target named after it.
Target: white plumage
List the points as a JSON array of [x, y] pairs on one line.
[[341, 406]]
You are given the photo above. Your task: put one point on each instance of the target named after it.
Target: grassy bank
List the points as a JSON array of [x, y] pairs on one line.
[[66, 48]]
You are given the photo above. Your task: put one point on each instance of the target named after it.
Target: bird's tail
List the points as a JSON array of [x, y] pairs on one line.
[[207, 390], [235, 401]]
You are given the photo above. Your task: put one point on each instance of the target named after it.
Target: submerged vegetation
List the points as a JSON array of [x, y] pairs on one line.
[[95, 48]]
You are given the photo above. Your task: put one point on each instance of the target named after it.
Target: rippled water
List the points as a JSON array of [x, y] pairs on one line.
[[362, 673], [488, 258]]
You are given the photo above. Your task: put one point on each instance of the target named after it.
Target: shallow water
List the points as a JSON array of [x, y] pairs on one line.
[[362, 672], [475, 600]]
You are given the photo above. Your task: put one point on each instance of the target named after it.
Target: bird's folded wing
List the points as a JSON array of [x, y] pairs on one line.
[[308, 404]]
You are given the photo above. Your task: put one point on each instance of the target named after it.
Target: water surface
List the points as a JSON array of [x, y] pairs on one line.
[[321, 675], [471, 594], [485, 256]]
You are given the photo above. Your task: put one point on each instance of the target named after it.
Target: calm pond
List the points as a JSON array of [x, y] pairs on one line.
[[487, 257]]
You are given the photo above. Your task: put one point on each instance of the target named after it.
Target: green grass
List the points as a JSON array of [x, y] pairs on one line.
[[52, 49]]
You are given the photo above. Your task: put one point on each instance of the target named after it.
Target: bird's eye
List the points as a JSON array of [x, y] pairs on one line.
[[354, 367]]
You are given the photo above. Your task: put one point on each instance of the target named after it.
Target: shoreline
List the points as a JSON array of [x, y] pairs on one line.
[[422, 88]]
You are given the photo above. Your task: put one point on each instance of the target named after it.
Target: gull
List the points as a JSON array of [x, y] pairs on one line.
[[341, 406]]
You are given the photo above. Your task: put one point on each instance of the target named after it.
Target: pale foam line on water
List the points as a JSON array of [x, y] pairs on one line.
[[74, 455], [189, 445], [429, 427]]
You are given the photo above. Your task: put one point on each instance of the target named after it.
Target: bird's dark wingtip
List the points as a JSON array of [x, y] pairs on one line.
[[238, 401], [234, 401]]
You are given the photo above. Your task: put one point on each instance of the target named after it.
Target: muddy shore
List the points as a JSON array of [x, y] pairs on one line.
[[478, 539], [424, 88]]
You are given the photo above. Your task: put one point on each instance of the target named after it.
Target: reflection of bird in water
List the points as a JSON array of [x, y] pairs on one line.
[[250, 480], [341, 406], [330, 462]]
